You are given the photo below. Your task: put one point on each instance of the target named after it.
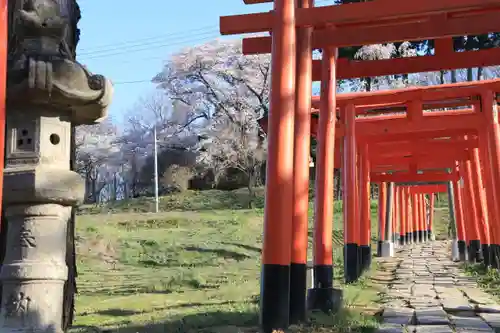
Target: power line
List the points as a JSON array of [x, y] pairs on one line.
[[149, 46], [158, 41], [148, 38], [145, 41], [154, 40], [130, 82], [152, 43]]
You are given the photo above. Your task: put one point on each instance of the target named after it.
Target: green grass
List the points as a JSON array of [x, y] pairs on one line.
[[194, 267], [487, 278], [441, 222]]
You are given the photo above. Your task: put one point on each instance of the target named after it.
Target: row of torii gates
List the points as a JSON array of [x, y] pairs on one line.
[[412, 142]]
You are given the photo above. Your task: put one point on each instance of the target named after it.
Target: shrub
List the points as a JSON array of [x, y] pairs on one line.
[[177, 177]]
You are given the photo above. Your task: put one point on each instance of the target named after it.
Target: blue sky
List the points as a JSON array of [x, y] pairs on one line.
[[128, 43]]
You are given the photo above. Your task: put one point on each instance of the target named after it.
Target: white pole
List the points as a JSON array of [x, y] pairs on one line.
[[156, 171]]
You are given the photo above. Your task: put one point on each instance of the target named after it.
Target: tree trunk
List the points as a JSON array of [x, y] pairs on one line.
[[373, 191], [88, 185], [337, 193], [94, 190], [88, 190], [469, 74], [258, 176], [369, 84], [441, 77], [251, 188], [133, 185], [115, 187], [479, 73]]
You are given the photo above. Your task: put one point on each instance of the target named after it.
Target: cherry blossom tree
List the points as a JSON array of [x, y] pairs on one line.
[[222, 94], [95, 152], [152, 112], [381, 52]]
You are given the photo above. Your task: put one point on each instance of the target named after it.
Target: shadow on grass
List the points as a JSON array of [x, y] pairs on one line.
[[209, 322], [226, 254], [244, 246], [117, 312], [126, 290], [346, 320], [127, 313]]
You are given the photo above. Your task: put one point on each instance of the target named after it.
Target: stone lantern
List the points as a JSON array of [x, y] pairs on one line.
[[48, 93]]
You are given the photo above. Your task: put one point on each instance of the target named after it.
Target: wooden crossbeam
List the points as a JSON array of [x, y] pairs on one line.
[[434, 27], [419, 162], [374, 127], [408, 177], [429, 189], [422, 146], [428, 93], [372, 11], [405, 166], [348, 69], [389, 137]]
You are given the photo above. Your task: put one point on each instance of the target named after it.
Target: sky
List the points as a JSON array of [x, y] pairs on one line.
[[128, 43]]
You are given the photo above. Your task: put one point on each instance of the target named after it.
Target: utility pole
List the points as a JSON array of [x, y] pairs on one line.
[[156, 170]]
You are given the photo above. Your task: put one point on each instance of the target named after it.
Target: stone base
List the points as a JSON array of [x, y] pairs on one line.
[[455, 254], [387, 250], [409, 238], [486, 251], [298, 289], [494, 256], [365, 257], [474, 251], [351, 263], [395, 238], [379, 248], [328, 300], [34, 269], [416, 240], [402, 240], [421, 237], [462, 250], [395, 244]]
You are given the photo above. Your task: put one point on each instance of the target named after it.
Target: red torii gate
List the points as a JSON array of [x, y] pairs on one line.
[[443, 152], [295, 32], [382, 156]]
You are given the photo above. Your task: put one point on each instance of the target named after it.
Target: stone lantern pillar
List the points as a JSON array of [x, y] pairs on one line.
[[48, 92]]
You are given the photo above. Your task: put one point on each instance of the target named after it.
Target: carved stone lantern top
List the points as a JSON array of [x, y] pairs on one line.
[[42, 69]]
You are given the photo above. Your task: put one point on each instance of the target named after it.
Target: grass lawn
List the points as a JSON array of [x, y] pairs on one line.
[[192, 268], [441, 221]]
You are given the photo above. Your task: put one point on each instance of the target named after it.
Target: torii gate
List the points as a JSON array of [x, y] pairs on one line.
[[296, 28]]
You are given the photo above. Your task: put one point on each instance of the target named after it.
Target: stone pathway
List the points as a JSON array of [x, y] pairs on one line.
[[429, 294]]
